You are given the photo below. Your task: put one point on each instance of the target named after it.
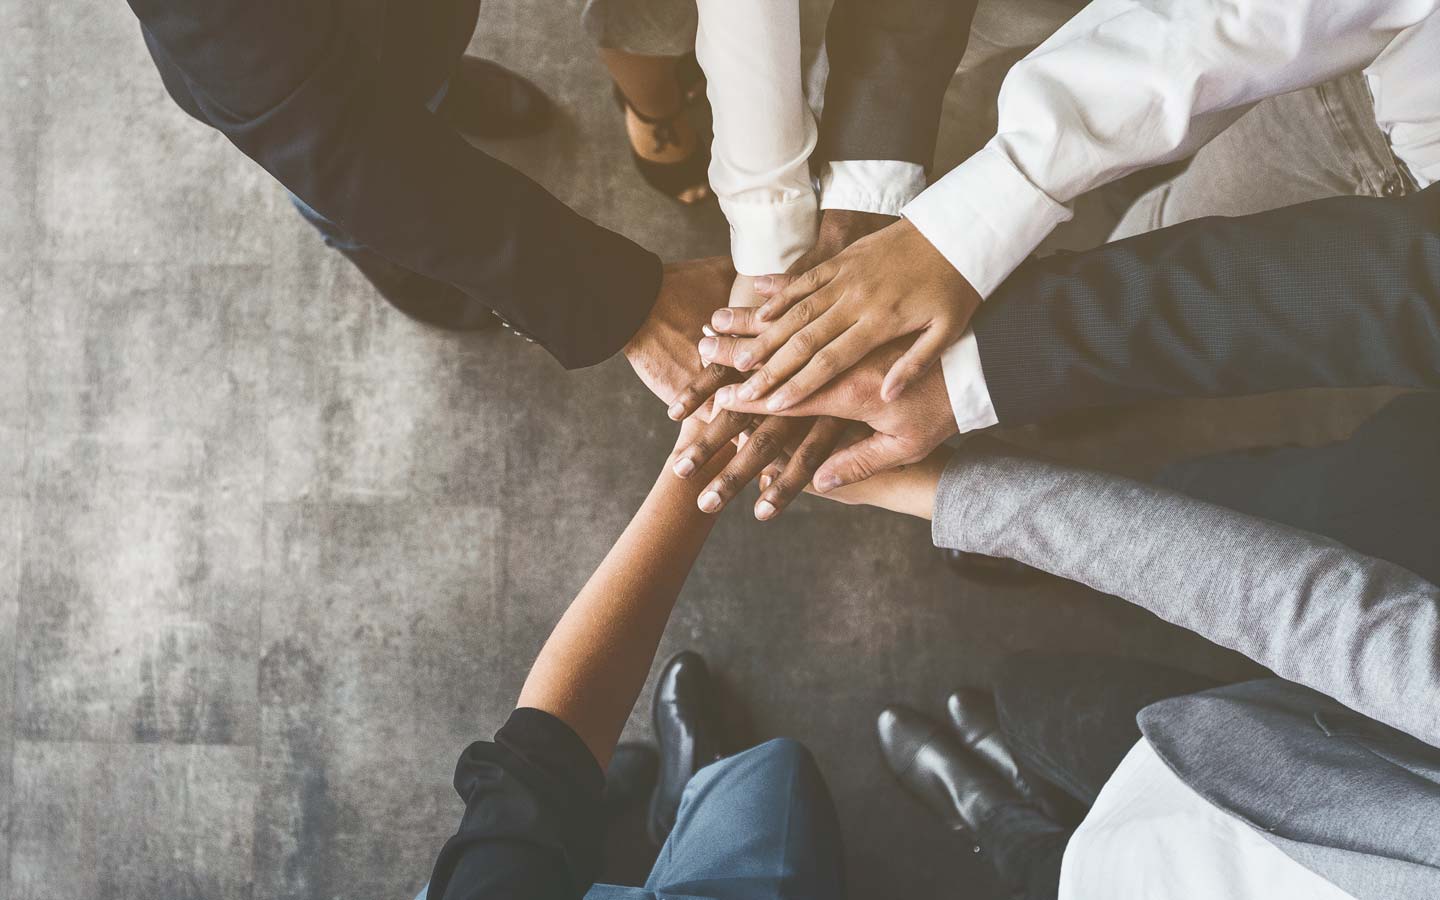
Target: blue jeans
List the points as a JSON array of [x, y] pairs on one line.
[[760, 824], [333, 235]]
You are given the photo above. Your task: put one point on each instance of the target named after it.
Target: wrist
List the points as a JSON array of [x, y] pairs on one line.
[[839, 228]]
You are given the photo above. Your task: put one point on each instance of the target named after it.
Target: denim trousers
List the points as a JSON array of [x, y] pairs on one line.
[[1070, 719], [759, 825]]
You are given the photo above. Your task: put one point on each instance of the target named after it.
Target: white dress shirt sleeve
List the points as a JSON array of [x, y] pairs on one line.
[[1124, 85], [880, 186], [764, 130]]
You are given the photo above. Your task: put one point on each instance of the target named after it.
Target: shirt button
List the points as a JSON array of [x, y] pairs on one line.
[[1392, 186]]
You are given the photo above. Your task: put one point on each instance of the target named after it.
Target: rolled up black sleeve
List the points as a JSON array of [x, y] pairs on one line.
[[291, 86], [532, 827]]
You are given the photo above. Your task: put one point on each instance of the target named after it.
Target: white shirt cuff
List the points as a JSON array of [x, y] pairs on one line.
[[765, 238], [965, 381], [985, 217], [880, 186]]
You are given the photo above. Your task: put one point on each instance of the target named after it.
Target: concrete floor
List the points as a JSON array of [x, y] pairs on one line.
[[271, 555]]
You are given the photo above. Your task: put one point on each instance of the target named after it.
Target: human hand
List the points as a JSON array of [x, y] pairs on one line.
[[792, 449], [906, 429], [885, 286], [662, 352], [908, 489]]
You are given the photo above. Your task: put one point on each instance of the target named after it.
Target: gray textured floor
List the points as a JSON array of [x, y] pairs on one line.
[[270, 555]]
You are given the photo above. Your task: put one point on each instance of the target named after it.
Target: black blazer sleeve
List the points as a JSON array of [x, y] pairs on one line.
[[1342, 292], [890, 63], [290, 86]]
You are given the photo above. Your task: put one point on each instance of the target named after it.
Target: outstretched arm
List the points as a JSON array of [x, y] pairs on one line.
[[1364, 631], [533, 824], [596, 660], [1342, 292], [295, 90]]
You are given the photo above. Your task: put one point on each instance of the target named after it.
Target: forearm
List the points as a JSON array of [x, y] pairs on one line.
[[1125, 85], [295, 90], [1362, 630], [595, 662], [764, 130], [1342, 292]]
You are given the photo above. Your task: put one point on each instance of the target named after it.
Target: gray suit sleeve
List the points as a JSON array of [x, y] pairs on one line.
[[1342, 292], [890, 63], [1362, 630]]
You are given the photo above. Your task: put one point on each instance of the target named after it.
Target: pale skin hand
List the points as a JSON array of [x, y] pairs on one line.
[[888, 285], [906, 429], [909, 490], [796, 447]]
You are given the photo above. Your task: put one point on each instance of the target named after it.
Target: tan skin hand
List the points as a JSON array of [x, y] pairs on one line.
[[794, 448], [906, 429], [888, 285], [662, 351]]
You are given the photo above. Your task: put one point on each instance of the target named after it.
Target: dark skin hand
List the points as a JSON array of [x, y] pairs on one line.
[[905, 430], [662, 352], [789, 449]]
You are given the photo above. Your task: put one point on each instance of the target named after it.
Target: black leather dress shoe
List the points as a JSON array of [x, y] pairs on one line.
[[487, 100], [687, 732], [972, 716], [956, 785], [422, 299]]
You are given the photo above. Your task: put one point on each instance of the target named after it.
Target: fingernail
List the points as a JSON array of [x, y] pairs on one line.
[[707, 331], [764, 510], [723, 318], [764, 283], [747, 392], [724, 396], [825, 483], [765, 482], [676, 410], [778, 402], [742, 359], [708, 347], [709, 501], [685, 467]]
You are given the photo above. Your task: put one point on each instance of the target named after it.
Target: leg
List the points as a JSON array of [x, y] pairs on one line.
[[760, 824], [1305, 145], [1070, 718], [1026, 848], [646, 47]]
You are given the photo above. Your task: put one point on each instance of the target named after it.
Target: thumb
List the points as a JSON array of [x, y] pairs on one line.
[[875, 454], [770, 285]]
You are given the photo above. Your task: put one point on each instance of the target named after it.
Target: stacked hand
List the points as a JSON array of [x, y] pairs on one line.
[[824, 345], [793, 448]]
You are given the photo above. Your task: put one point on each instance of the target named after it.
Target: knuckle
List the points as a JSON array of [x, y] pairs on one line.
[[825, 362], [764, 443], [729, 482], [804, 312], [803, 343]]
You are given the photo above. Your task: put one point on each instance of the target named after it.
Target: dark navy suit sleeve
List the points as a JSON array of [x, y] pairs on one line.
[[532, 828], [1341, 292], [291, 86]]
